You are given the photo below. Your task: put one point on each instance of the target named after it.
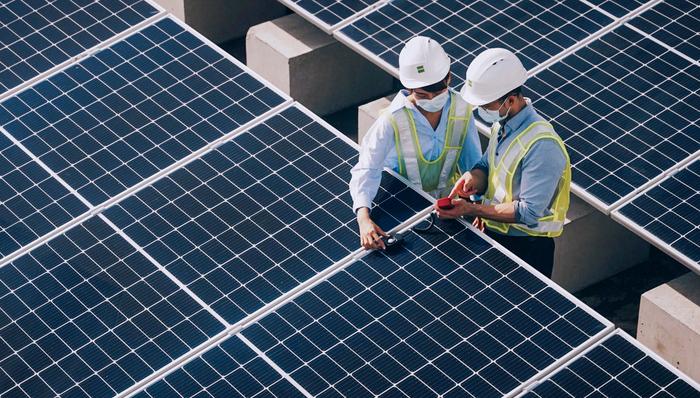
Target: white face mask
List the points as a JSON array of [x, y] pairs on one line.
[[435, 104], [490, 116]]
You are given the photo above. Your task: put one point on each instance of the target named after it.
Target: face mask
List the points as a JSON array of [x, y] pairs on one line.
[[435, 104], [490, 116]]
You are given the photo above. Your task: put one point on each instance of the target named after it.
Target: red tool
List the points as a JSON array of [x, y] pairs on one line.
[[445, 203]]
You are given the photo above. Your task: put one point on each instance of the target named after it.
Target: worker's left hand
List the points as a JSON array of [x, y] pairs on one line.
[[461, 208]]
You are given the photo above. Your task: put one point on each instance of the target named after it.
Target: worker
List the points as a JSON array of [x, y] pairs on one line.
[[427, 134], [524, 175]]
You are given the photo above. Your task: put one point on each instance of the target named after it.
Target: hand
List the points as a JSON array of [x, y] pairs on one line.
[[461, 208], [370, 233], [465, 186], [478, 223]]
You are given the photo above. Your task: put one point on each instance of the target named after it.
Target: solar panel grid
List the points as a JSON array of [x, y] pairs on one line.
[[32, 202], [535, 30], [674, 22], [616, 367], [670, 211], [260, 214], [228, 370], [623, 105], [329, 13], [121, 115], [38, 35], [86, 315], [446, 315], [619, 8]]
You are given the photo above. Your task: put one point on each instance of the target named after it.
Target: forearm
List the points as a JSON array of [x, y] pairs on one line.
[[363, 214], [503, 212]]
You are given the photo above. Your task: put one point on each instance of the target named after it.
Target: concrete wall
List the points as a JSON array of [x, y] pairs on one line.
[[222, 20], [311, 66], [669, 323]]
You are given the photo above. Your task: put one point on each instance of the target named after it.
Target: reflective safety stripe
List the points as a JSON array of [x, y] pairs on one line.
[[500, 187], [435, 177]]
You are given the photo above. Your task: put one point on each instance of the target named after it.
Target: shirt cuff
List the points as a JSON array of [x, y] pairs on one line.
[[360, 202]]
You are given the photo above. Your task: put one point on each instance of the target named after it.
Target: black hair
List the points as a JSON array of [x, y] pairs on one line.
[[439, 86], [516, 91]]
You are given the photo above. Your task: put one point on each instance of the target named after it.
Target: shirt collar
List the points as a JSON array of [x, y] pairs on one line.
[[516, 122]]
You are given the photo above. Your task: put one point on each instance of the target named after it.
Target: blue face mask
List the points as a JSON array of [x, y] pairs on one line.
[[490, 116], [435, 104]]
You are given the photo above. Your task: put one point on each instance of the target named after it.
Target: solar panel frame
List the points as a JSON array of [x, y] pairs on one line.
[[309, 316], [80, 115], [7, 90], [646, 387], [655, 195], [333, 21], [165, 240]]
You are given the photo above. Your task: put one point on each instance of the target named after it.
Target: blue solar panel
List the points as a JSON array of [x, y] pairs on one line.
[[258, 215], [228, 370], [674, 22], [86, 315], [328, 13], [38, 35], [670, 211], [32, 202], [135, 108], [535, 30], [617, 367], [445, 315], [626, 108], [618, 8]]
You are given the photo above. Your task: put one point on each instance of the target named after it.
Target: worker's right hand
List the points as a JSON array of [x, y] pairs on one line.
[[465, 186], [478, 223], [370, 233]]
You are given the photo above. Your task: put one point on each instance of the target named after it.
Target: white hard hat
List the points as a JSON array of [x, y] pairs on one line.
[[422, 62], [491, 75]]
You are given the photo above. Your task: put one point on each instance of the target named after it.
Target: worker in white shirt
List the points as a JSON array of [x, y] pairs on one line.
[[427, 135]]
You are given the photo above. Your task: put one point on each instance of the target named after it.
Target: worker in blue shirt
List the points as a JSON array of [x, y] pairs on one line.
[[427, 134], [525, 173]]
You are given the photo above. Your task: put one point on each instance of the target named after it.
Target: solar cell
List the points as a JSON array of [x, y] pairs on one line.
[[229, 369], [135, 108], [328, 14], [674, 22], [38, 35], [86, 315], [669, 214], [619, 366], [32, 202], [536, 31], [624, 106], [446, 315], [258, 215]]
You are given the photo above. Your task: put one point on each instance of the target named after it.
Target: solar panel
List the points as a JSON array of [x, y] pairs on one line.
[[618, 366], [668, 215], [619, 8], [38, 35], [86, 315], [674, 22], [534, 30], [258, 215], [121, 115], [229, 369], [32, 202], [445, 315], [625, 107], [328, 14]]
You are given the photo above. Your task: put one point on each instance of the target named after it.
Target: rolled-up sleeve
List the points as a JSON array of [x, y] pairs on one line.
[[377, 151], [541, 169], [471, 151]]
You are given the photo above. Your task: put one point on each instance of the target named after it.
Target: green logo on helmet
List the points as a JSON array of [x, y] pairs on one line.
[[420, 69]]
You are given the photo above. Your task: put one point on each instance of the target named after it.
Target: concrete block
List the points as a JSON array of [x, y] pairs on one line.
[[368, 113], [222, 20], [311, 66], [593, 247], [669, 323]]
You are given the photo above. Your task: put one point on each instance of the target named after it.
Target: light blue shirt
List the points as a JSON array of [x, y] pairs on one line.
[[378, 149], [537, 176]]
